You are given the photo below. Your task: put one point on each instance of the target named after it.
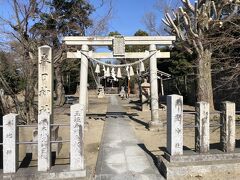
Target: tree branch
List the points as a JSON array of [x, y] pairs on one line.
[[188, 5], [187, 23]]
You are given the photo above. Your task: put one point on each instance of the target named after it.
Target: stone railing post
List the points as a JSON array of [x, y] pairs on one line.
[[76, 137], [10, 147], [175, 125], [227, 131], [202, 127]]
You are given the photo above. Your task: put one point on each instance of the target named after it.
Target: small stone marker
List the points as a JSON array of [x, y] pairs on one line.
[[76, 137], [202, 127], [227, 131], [175, 125], [10, 147], [44, 146]]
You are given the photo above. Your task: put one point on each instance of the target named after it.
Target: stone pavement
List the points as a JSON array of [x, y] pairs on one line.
[[121, 155]]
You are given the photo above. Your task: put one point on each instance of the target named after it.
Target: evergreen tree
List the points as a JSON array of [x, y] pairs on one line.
[[62, 18]]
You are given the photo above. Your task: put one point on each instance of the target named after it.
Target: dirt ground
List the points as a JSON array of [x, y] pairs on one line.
[[155, 142]]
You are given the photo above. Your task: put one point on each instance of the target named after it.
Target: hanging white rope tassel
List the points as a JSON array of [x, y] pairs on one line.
[[142, 68], [97, 70], [108, 72], [128, 74], [131, 73], [104, 72], [113, 74], [119, 74]]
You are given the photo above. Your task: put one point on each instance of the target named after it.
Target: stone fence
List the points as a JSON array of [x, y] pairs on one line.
[[202, 142], [186, 164], [10, 141]]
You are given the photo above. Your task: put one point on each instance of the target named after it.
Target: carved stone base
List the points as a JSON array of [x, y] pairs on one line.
[[155, 126]]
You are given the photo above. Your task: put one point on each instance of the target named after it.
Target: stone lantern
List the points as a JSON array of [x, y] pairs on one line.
[[145, 95], [100, 92]]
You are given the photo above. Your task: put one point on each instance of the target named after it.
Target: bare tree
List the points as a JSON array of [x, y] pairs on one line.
[[151, 19], [192, 25], [23, 46], [100, 23]]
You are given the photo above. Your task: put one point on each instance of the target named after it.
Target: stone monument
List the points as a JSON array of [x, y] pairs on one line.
[[45, 106]]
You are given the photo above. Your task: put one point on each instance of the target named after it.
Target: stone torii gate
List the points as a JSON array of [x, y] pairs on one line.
[[118, 43]]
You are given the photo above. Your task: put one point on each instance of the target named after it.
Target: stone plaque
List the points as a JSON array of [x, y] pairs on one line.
[[118, 46]]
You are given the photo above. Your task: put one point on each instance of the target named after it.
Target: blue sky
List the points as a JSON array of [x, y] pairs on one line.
[[127, 15], [126, 18]]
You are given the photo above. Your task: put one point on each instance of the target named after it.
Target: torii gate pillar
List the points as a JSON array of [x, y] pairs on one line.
[[84, 77], [155, 122]]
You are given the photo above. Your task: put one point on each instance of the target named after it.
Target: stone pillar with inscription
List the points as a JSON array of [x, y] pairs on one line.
[[45, 106], [10, 139], [76, 137], [155, 121], [227, 130], [202, 127], [175, 125]]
